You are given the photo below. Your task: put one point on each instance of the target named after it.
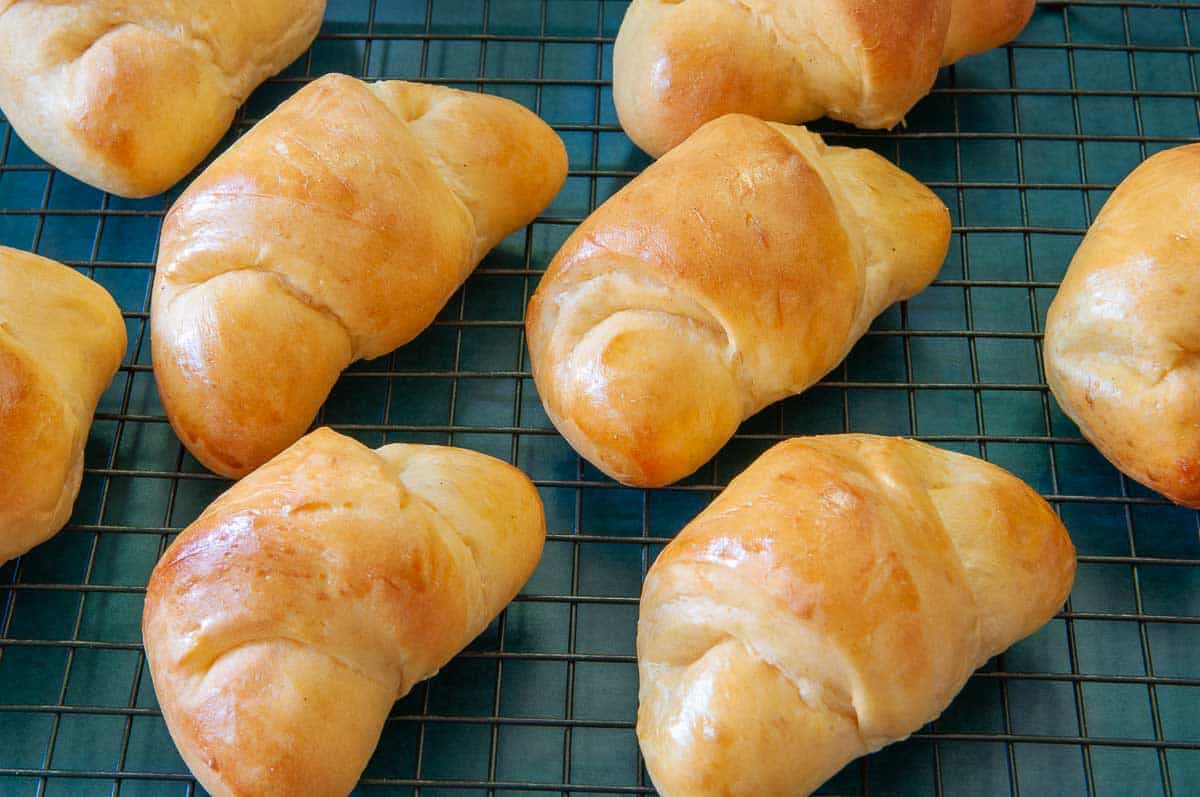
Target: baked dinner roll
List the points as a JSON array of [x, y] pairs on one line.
[[679, 63], [1122, 338], [333, 231], [281, 626], [61, 341], [129, 95], [735, 271], [832, 600]]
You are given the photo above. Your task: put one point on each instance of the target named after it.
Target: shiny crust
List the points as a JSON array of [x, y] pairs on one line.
[[281, 626], [129, 95], [833, 599], [61, 340], [1123, 333], [679, 63], [734, 272], [335, 230]]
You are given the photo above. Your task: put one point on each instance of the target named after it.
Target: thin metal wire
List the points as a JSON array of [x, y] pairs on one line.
[[1072, 642], [423, 73], [1143, 639], [1015, 106], [419, 713]]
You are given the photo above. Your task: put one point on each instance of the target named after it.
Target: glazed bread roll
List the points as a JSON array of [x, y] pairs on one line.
[[281, 626], [61, 341], [832, 600], [679, 63], [333, 231], [130, 95], [736, 271], [1122, 338]]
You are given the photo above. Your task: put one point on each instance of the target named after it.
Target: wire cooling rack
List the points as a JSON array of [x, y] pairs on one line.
[[1023, 143]]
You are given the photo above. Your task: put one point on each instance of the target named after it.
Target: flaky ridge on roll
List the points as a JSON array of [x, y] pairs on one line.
[[130, 96], [61, 341], [284, 622], [1122, 344], [735, 271], [333, 231], [679, 63], [832, 600]]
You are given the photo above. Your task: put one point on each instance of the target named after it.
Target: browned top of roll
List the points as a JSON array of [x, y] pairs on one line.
[[679, 63], [335, 230], [284, 622], [833, 599], [735, 271], [130, 95]]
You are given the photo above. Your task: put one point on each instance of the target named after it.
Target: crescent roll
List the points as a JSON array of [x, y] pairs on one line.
[[130, 95], [737, 270], [61, 341], [832, 600], [282, 625], [1122, 344], [333, 231], [676, 65]]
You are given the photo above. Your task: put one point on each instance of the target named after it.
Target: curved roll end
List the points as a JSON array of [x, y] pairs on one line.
[[41, 461], [676, 67], [645, 395], [1122, 343], [62, 338], [139, 133], [114, 114], [129, 98], [731, 725], [308, 729], [494, 507], [242, 367], [1145, 424], [993, 517], [905, 227], [499, 158], [978, 25]]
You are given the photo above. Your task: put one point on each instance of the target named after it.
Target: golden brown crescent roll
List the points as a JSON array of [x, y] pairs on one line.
[[281, 626], [61, 340], [130, 95], [1123, 334], [735, 271], [832, 600], [333, 231], [679, 63]]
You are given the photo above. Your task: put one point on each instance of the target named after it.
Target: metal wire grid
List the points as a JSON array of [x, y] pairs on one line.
[[1106, 700]]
